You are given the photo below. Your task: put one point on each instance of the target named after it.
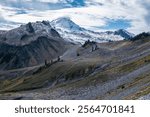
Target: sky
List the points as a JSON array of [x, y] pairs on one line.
[[99, 15]]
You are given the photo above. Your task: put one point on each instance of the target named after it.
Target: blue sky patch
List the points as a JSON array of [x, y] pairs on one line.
[[117, 24], [77, 3]]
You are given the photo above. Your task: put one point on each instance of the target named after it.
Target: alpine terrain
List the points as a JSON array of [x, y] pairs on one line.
[[61, 60], [76, 34]]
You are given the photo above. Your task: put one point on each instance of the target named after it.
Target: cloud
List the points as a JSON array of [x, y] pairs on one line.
[[133, 15], [42, 4], [146, 5]]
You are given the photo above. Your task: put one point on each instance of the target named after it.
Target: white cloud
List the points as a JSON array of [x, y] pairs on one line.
[[94, 14]]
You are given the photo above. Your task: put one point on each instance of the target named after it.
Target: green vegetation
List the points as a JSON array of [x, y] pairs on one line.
[[131, 66], [134, 65], [60, 70]]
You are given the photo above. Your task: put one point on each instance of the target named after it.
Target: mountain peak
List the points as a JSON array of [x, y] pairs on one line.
[[27, 33], [65, 23], [38, 25], [124, 33], [64, 19]]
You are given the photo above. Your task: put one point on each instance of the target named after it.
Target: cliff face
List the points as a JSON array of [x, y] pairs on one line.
[[44, 48], [30, 45]]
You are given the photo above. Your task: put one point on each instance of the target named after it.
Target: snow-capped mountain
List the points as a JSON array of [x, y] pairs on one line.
[[64, 27], [76, 34], [66, 24], [124, 33]]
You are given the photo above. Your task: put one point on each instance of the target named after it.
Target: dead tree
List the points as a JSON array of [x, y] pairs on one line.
[[92, 48], [46, 62], [78, 54], [96, 47], [58, 59]]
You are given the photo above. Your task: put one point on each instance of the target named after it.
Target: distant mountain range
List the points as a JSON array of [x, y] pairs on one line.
[[33, 43], [67, 29], [76, 34]]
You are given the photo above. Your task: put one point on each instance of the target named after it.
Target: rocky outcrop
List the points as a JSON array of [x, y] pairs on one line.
[[30, 45]]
